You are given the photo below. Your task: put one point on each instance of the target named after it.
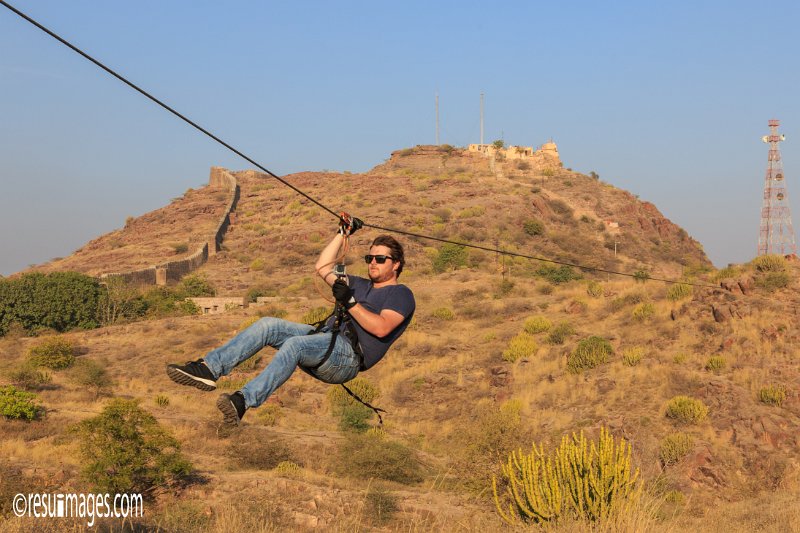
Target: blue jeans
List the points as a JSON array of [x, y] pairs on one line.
[[295, 347]]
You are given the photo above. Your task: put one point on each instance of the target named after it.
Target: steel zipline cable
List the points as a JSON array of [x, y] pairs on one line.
[[308, 197], [159, 102]]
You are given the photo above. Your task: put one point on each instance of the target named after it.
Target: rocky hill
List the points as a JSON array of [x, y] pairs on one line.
[[488, 365], [450, 194]]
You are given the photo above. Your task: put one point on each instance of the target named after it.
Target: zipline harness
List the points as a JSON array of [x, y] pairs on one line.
[[347, 225]]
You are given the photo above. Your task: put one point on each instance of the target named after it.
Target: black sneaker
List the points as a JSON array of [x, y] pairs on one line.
[[232, 407], [194, 373]]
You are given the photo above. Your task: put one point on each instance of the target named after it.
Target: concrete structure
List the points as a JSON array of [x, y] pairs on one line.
[[215, 305]]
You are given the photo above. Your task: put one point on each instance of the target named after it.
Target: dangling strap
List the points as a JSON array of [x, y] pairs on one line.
[[377, 410], [338, 311]]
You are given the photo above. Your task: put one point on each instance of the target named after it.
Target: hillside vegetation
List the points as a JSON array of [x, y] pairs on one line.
[[688, 392]]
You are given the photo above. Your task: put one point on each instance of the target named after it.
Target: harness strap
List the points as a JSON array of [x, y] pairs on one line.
[[377, 410], [339, 312]]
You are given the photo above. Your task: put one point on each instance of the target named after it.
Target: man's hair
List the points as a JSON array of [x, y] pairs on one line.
[[396, 248]]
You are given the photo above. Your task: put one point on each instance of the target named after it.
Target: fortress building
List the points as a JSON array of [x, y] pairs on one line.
[[548, 150]]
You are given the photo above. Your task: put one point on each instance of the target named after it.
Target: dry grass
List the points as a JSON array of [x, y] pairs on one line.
[[437, 376]]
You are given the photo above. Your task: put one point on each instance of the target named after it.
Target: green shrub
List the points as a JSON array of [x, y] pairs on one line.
[[537, 324], [674, 447], [772, 395], [576, 480], [355, 418], [15, 403], [643, 312], [589, 353], [180, 247], [315, 315], [29, 377], [55, 353], [545, 289], [288, 469], [489, 436], [675, 497], [352, 415], [254, 292], [269, 413], [722, 273], [450, 257], [632, 356], [162, 401], [195, 285], [160, 302], [126, 450], [366, 457], [561, 208], [769, 263], [380, 505], [443, 313], [59, 301], [594, 289], [679, 291], [557, 274], [641, 276], [686, 410], [715, 363], [442, 214], [232, 383], [471, 212], [773, 281], [257, 265], [680, 358], [521, 346], [91, 375], [560, 332], [504, 288], [533, 227], [362, 387]]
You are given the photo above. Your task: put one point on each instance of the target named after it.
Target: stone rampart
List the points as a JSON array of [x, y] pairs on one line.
[[145, 276], [173, 271]]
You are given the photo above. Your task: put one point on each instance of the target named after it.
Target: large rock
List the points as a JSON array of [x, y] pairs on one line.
[[721, 312]]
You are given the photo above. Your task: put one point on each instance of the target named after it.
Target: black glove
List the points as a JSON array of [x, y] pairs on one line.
[[349, 225], [343, 294]]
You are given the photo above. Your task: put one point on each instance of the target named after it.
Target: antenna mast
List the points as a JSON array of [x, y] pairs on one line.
[[481, 118], [776, 235], [437, 118]]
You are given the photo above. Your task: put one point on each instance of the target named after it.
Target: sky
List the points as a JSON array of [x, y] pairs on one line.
[[668, 100]]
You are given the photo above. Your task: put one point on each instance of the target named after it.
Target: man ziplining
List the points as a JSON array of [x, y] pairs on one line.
[[370, 315]]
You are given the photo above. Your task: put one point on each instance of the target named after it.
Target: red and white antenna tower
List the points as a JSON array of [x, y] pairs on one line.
[[777, 234]]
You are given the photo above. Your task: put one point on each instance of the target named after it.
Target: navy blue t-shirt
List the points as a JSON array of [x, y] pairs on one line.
[[398, 298]]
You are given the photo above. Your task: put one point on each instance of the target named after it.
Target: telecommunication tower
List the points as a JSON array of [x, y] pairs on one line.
[[777, 234]]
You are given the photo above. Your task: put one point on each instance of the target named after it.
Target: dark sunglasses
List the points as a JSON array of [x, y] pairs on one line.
[[380, 259]]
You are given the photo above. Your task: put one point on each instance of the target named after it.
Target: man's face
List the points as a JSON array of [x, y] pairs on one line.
[[385, 272]]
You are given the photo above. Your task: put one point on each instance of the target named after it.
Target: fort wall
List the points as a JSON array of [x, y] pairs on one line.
[[173, 271]]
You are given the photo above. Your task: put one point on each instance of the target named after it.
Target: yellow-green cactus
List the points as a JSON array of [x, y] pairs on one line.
[[587, 480]]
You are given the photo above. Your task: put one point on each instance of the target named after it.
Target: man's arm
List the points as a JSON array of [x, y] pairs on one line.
[[327, 258], [379, 325]]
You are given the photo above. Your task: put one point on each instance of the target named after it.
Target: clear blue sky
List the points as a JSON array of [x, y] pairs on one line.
[[666, 99]]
